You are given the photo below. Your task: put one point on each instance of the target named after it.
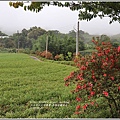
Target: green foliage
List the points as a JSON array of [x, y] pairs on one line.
[[12, 50], [35, 32], [115, 44], [58, 43], [69, 56]]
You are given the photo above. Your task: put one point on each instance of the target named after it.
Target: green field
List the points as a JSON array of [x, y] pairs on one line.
[[24, 81]]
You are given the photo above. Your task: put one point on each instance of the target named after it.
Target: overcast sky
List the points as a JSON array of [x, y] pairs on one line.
[[51, 18]]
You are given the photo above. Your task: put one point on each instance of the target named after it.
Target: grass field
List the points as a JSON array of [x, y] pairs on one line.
[[24, 80]]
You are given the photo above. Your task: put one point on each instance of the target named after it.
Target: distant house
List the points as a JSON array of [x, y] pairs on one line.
[[4, 36]]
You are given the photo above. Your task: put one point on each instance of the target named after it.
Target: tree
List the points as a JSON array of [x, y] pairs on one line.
[[88, 10], [35, 32], [3, 34]]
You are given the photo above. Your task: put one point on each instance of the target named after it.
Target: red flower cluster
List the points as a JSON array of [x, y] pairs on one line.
[[105, 93], [118, 49], [78, 99], [78, 107], [85, 106], [98, 73]]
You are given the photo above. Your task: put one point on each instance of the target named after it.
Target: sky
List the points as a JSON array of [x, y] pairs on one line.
[[52, 18]]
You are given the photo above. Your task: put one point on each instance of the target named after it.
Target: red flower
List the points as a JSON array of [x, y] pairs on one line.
[[84, 86], [95, 80], [85, 106], [89, 97], [77, 113], [92, 93], [93, 60], [72, 73], [93, 77], [78, 99], [98, 48], [112, 78], [78, 107], [107, 51], [104, 75], [90, 84], [65, 79], [99, 54], [78, 87], [105, 93], [79, 77], [87, 63], [105, 64], [118, 49], [92, 103], [93, 72], [83, 67], [67, 84], [106, 59], [103, 43]]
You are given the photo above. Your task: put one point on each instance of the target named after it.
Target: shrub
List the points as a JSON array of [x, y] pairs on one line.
[[98, 76], [59, 57], [48, 55], [69, 56]]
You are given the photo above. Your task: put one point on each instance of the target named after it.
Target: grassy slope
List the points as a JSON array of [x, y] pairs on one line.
[[23, 79]]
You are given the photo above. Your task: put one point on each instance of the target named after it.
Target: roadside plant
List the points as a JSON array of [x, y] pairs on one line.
[[98, 76]]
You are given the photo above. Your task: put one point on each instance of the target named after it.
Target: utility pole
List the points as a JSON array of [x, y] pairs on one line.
[[46, 45], [77, 38], [18, 40]]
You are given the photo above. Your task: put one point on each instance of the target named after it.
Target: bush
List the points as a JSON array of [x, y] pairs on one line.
[[48, 55], [59, 57], [98, 76], [69, 56], [12, 50]]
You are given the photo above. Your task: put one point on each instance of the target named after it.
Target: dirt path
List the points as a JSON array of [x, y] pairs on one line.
[[35, 58]]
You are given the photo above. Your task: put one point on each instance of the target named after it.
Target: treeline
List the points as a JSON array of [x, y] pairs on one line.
[[59, 44], [35, 38]]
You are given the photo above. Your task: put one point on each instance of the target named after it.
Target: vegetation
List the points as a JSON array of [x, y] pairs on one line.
[[30, 88], [23, 80], [98, 77], [35, 38]]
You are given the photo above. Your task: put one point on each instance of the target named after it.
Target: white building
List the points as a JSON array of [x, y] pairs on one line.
[[4, 36]]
